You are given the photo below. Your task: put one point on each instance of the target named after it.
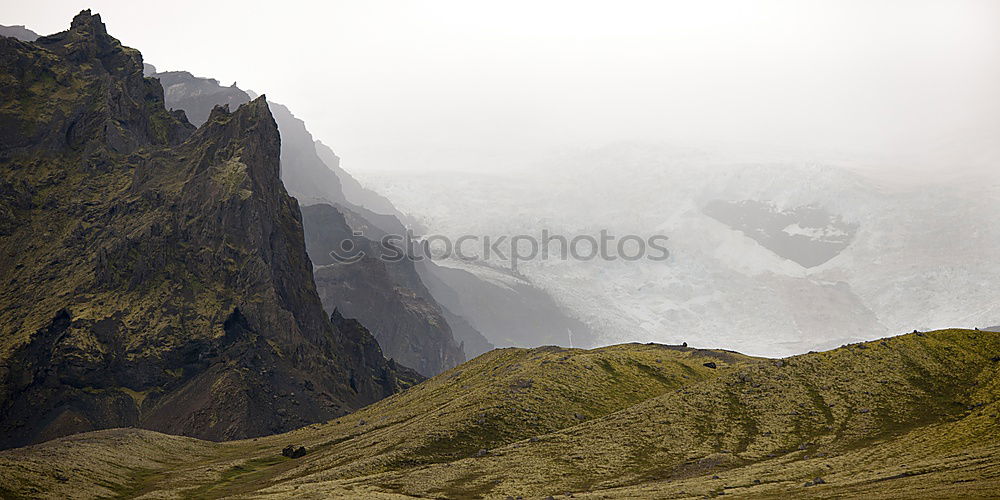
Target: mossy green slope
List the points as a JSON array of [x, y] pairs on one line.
[[938, 389], [504, 396], [909, 416]]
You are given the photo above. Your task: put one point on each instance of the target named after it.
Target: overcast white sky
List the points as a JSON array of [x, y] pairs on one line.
[[462, 84]]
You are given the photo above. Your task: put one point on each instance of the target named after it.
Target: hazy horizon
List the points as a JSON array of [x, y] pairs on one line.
[[907, 86]]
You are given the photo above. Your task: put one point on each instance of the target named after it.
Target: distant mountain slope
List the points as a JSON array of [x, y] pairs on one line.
[[19, 32], [509, 310], [197, 96], [360, 196], [914, 416], [407, 275], [387, 297], [156, 275], [305, 175], [801, 256]]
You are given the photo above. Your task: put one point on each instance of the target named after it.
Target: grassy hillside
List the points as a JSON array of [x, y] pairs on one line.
[[915, 415], [779, 422], [500, 397]]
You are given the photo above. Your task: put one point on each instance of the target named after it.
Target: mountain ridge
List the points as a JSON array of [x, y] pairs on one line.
[[158, 273]]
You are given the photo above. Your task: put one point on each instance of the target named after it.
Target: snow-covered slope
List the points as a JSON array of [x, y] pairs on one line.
[[807, 256]]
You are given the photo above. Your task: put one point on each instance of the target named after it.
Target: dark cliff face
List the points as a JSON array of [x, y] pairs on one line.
[[405, 273], [410, 326], [154, 275], [387, 297]]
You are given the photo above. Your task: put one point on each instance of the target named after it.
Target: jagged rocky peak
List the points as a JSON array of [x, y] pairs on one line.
[[390, 301], [78, 84], [159, 273], [241, 153], [88, 38]]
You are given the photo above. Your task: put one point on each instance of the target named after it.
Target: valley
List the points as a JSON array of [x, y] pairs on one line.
[[179, 319]]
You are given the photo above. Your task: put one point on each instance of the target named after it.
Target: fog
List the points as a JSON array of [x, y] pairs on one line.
[[897, 86]]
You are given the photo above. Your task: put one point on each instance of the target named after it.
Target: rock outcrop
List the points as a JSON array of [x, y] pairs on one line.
[[155, 275]]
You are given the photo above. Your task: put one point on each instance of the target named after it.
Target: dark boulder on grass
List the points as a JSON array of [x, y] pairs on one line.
[[291, 451]]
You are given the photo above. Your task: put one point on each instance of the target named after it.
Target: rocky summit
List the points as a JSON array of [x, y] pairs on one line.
[[155, 275]]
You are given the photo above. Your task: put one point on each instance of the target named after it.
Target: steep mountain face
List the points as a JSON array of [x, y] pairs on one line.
[[155, 275], [408, 275], [388, 297], [473, 342], [522, 315], [311, 172]]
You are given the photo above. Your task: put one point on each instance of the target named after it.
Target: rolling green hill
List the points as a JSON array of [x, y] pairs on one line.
[[909, 416]]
